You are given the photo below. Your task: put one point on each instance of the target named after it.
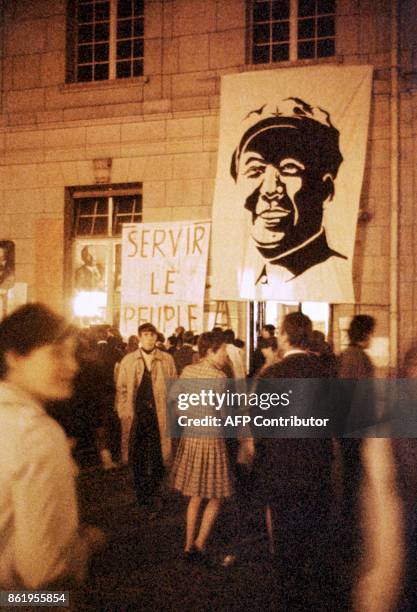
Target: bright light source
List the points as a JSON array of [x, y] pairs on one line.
[[273, 311], [90, 304], [318, 312]]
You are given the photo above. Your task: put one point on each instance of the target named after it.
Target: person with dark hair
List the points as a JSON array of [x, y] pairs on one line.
[[235, 355], [201, 469], [184, 356], [141, 385], [268, 330], [132, 344], [227, 366], [357, 403], [160, 342], [172, 343], [258, 359], [41, 542], [269, 350], [360, 330], [297, 330], [323, 350], [179, 333], [239, 343], [88, 416], [295, 474], [265, 343], [108, 354], [354, 363]]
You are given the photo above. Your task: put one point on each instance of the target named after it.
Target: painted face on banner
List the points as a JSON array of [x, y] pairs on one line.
[[283, 189]]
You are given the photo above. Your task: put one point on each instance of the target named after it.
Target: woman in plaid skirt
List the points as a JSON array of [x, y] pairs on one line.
[[201, 469]]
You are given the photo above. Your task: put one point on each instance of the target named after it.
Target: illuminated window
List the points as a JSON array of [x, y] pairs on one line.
[[105, 39], [97, 215], [283, 30], [319, 313]]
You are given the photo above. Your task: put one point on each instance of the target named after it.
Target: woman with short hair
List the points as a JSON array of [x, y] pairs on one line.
[[201, 469]]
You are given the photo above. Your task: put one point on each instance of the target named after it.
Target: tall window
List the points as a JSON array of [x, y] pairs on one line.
[[105, 39], [282, 30], [97, 218]]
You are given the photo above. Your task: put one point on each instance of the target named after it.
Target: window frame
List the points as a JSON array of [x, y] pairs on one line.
[[110, 192], [293, 40], [109, 241], [72, 63]]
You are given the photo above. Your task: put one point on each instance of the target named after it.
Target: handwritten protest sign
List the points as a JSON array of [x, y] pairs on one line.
[[163, 275]]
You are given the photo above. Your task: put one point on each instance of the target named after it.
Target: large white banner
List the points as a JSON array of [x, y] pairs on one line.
[[164, 275], [290, 167]]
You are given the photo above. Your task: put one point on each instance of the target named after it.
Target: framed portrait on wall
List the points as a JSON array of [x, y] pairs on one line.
[[90, 267]]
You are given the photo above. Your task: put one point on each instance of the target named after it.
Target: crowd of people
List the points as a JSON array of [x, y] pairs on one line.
[[112, 396]]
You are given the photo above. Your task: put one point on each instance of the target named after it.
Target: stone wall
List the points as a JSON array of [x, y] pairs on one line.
[[162, 129]]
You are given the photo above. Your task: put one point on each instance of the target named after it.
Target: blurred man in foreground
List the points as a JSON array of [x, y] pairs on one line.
[[41, 542]]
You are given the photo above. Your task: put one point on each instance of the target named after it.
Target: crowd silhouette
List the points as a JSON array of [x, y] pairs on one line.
[[324, 503]]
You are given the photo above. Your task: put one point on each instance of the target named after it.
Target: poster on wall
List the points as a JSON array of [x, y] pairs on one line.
[[90, 270], [90, 282], [164, 275], [289, 175]]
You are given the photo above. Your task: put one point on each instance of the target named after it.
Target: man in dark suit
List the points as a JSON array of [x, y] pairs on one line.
[[296, 472], [258, 359], [296, 475]]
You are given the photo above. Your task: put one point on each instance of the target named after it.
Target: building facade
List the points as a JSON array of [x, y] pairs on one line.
[[109, 113]]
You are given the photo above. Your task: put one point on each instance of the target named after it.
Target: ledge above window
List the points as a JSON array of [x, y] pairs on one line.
[[99, 85]]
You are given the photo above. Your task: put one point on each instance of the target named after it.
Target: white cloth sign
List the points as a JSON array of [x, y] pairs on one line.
[[164, 275], [290, 168]]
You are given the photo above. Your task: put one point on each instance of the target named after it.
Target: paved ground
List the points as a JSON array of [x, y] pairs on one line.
[[142, 569]]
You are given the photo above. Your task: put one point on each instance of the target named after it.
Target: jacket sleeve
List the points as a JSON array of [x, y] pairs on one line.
[[45, 509], [345, 366], [353, 366], [171, 369]]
